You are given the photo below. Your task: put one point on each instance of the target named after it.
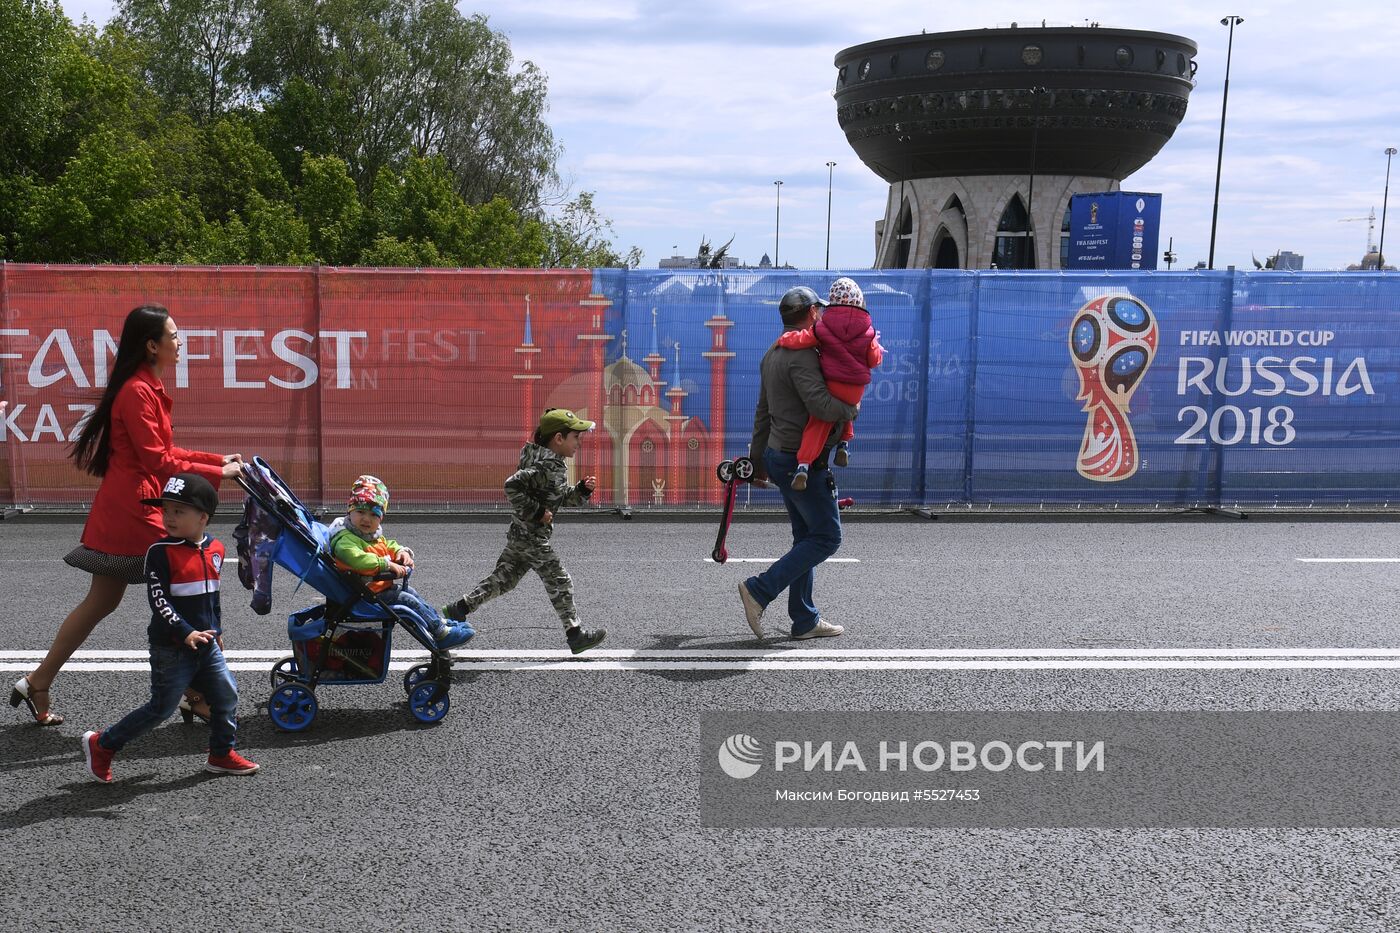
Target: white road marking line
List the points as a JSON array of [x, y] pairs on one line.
[[807, 659], [772, 560], [1348, 559]]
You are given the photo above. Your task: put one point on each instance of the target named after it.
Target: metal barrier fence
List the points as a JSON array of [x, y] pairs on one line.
[[998, 388]]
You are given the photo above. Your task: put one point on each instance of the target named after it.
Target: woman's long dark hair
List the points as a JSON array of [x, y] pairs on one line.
[[93, 446]]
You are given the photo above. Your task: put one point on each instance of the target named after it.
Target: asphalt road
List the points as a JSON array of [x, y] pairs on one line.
[[565, 796]]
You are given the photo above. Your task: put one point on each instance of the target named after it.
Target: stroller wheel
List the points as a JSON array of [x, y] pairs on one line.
[[284, 670], [428, 700], [292, 707], [414, 676]]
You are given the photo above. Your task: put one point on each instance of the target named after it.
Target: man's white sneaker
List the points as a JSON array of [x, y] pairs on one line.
[[822, 629], [752, 611]]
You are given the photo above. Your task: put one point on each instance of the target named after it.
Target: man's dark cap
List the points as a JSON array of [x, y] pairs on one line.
[[797, 300]]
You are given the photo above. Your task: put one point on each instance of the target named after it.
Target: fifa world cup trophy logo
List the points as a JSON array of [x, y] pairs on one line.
[[1112, 341]]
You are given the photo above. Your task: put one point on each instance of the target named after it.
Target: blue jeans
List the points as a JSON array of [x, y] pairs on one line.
[[174, 668], [429, 622], [816, 535]]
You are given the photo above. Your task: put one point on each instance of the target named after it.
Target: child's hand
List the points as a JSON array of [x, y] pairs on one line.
[[590, 483], [397, 569], [194, 639], [406, 557], [547, 518]]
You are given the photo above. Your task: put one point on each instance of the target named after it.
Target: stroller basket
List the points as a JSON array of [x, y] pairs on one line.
[[357, 652]]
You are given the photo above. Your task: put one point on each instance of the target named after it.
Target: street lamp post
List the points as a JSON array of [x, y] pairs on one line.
[[1030, 192], [1232, 22], [832, 165], [777, 222], [1385, 201]]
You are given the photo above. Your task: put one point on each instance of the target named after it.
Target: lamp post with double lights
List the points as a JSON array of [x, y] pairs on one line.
[[1232, 22], [829, 167], [777, 222], [1385, 201]]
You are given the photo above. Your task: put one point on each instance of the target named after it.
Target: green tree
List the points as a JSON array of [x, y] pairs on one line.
[[109, 205], [580, 238], [373, 81], [330, 206], [195, 51], [33, 39]]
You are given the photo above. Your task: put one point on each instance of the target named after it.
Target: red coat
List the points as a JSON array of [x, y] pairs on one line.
[[142, 458]]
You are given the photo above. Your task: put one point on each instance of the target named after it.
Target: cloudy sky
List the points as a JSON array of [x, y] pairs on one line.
[[681, 117]]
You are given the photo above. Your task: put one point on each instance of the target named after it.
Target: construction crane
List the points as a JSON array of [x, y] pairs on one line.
[[1370, 230]]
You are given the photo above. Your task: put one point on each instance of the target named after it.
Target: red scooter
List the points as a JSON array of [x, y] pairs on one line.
[[731, 473]]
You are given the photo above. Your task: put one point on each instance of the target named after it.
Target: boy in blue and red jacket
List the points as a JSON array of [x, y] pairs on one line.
[[182, 585]]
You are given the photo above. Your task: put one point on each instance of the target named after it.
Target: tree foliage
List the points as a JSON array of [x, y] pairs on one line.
[[383, 132]]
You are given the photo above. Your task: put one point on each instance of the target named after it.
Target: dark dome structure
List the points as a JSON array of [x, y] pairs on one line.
[[985, 135], [1101, 101]]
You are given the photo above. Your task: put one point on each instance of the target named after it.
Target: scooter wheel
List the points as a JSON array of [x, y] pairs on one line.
[[725, 471], [743, 468], [719, 555]]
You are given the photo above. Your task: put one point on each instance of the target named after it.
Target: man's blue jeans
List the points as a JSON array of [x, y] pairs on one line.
[[173, 668], [816, 535]]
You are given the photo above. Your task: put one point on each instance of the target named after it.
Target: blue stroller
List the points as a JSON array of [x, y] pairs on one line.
[[347, 640]]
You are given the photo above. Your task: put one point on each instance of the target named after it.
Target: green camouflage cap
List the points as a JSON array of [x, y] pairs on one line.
[[558, 420]]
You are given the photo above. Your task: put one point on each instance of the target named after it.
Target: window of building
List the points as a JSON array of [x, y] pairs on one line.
[[904, 237], [1014, 246], [1064, 240]]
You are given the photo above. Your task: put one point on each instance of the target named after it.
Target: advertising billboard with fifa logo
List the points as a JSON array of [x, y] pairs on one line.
[[1087, 388], [1114, 230]]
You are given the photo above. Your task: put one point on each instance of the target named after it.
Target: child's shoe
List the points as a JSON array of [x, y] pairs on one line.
[[842, 456], [450, 635], [96, 759], [456, 611], [230, 763], [799, 478], [581, 639]]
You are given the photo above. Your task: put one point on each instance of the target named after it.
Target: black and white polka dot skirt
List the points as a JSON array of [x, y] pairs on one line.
[[126, 569]]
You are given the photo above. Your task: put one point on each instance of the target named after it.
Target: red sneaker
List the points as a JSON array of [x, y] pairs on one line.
[[98, 759], [232, 763]]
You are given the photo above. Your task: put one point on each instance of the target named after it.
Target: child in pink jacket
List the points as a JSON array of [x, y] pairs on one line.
[[850, 348]]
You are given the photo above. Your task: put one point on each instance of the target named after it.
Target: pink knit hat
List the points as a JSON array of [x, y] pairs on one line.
[[846, 292]]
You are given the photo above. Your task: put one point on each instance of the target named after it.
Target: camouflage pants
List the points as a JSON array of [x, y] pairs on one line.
[[523, 554]]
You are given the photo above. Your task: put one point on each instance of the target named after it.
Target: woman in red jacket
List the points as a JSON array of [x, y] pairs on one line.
[[127, 442]]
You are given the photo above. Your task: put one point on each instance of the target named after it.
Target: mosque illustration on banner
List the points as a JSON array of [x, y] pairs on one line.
[[646, 450]]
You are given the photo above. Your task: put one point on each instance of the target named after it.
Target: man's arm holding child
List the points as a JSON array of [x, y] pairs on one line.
[[807, 380]]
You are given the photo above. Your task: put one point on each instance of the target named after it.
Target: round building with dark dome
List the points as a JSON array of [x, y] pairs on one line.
[[984, 135]]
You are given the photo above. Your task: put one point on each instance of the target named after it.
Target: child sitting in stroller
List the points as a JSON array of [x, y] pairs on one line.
[[358, 544]]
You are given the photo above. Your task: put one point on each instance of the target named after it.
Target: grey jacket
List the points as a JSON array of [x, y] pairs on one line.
[[791, 389]]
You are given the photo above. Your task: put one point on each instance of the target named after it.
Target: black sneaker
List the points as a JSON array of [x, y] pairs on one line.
[[455, 611], [581, 639]]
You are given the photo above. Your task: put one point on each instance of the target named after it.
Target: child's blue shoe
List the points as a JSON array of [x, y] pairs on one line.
[[843, 456], [799, 478], [454, 634]]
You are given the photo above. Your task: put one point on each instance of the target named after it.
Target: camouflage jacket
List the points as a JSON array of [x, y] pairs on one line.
[[540, 484]]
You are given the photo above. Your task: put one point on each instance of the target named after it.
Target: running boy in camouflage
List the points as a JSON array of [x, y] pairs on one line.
[[536, 490]]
